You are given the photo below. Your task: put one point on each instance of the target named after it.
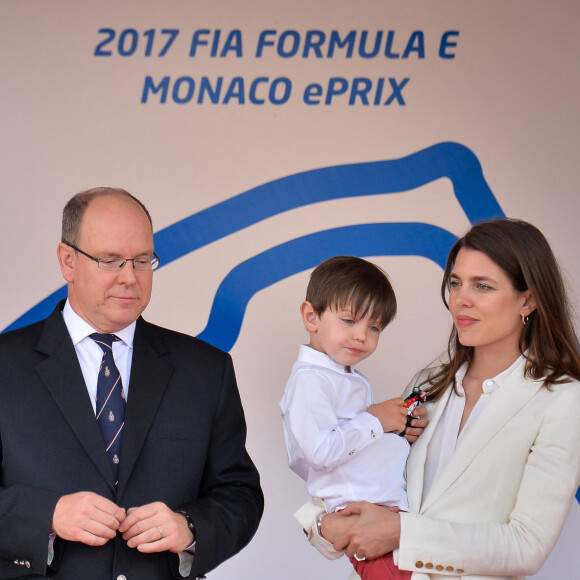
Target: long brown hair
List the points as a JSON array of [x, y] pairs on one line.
[[523, 253]]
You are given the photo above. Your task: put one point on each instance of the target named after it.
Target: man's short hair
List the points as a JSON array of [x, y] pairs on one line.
[[74, 210], [351, 282]]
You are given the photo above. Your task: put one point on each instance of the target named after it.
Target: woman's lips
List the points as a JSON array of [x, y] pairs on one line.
[[465, 321]]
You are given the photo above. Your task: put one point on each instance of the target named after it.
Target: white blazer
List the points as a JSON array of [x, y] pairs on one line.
[[496, 509]]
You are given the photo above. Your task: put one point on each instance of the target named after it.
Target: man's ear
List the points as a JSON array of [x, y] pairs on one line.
[[66, 259], [309, 317]]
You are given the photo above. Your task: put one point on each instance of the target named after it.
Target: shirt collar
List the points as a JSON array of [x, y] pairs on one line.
[[491, 384], [310, 355], [79, 329]]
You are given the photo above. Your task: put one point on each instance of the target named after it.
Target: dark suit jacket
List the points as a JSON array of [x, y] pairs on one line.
[[183, 444]]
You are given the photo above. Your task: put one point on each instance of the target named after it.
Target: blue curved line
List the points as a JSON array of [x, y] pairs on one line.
[[279, 262], [450, 160]]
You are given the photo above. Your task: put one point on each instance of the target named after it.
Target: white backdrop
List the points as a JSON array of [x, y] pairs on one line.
[[76, 112]]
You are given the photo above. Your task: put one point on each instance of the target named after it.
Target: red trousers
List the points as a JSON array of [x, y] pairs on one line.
[[380, 569]]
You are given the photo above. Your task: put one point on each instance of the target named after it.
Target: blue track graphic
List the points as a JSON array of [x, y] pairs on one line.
[[444, 160], [275, 264]]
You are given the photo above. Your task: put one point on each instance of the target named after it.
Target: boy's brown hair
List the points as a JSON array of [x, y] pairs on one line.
[[348, 281]]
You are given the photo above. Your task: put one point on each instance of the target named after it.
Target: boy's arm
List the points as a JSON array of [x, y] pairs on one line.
[[312, 426]]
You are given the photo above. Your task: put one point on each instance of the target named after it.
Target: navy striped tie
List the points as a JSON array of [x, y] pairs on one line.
[[110, 408]]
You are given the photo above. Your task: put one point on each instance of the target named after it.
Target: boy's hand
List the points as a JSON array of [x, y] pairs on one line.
[[392, 415]]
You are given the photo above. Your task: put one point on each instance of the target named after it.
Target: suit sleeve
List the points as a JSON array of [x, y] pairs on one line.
[[230, 504], [521, 544], [25, 522], [26, 509]]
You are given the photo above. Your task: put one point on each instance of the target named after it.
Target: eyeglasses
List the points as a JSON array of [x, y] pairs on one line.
[[115, 264]]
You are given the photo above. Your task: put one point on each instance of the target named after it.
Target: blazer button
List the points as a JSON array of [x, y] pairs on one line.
[[121, 577], [428, 565], [419, 564], [450, 568], [439, 567], [460, 570], [21, 563]]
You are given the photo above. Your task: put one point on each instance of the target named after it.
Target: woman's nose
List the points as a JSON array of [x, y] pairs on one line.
[[461, 296]]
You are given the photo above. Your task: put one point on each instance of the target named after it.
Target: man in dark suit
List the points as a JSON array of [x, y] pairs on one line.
[[180, 495]]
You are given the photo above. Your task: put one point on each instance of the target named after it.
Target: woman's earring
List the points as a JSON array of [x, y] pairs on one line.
[[524, 318]]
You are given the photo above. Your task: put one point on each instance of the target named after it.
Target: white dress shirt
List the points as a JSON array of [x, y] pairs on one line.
[[90, 353], [333, 443], [446, 436]]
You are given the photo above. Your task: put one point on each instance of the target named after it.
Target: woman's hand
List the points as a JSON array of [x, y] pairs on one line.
[[376, 531], [336, 525], [413, 432]]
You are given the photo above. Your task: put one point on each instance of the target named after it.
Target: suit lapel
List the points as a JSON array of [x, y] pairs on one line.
[[62, 376], [418, 454], [150, 376], [514, 394]]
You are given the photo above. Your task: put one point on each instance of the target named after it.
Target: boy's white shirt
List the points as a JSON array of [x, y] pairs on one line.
[[338, 448]]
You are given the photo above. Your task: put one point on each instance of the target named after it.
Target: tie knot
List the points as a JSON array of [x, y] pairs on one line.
[[104, 340]]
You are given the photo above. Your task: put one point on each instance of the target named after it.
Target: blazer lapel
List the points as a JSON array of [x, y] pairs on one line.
[[62, 376], [514, 394], [418, 454], [150, 375]]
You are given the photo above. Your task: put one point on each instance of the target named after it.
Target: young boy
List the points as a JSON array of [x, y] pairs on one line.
[[343, 444]]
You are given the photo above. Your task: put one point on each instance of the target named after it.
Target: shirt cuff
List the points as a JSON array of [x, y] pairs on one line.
[[185, 562]]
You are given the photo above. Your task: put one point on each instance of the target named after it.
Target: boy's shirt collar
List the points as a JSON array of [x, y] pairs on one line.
[[310, 355]]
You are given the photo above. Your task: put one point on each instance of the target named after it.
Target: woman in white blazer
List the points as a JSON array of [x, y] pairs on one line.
[[492, 478]]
